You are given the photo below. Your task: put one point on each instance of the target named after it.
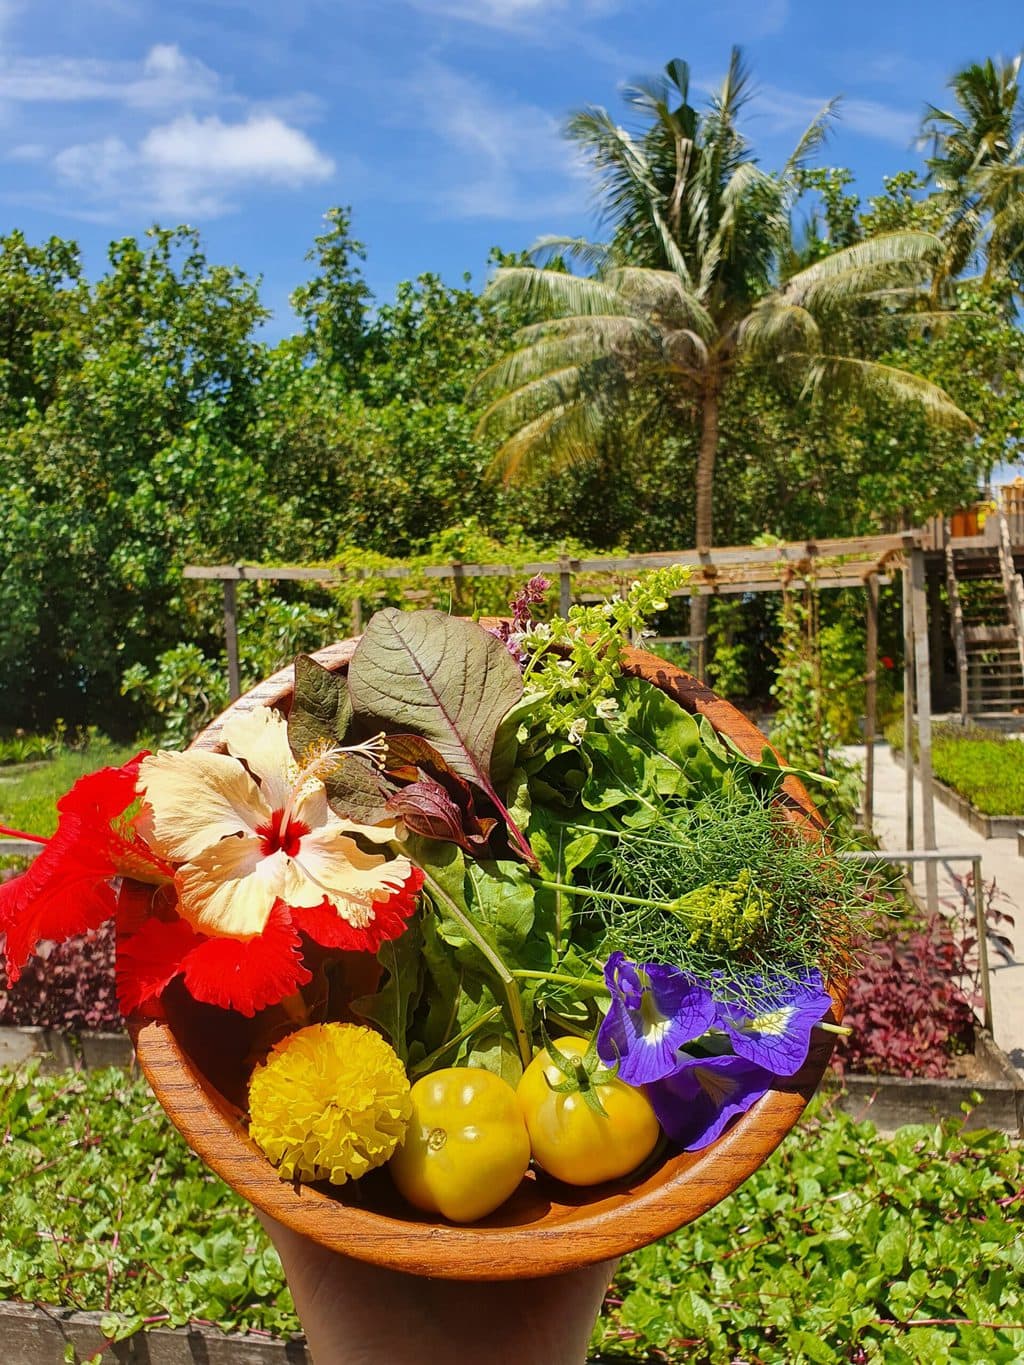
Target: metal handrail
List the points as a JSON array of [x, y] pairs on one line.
[[947, 855]]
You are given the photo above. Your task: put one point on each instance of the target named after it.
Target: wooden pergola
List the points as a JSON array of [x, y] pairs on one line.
[[863, 562]]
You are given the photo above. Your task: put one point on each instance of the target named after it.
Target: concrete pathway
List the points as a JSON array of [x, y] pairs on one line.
[[1000, 860]]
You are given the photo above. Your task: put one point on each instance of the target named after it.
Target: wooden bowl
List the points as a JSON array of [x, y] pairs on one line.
[[194, 1062]]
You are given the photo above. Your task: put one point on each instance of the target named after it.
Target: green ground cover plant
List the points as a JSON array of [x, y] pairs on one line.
[[844, 1247], [985, 767], [29, 792]]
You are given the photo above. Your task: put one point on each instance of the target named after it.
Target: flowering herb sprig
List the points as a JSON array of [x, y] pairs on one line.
[[572, 665]]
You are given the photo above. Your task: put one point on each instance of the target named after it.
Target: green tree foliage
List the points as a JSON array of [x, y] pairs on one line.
[[977, 166], [700, 277]]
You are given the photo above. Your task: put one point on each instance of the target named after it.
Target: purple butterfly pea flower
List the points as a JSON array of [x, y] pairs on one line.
[[698, 1100], [655, 1010], [775, 1032]]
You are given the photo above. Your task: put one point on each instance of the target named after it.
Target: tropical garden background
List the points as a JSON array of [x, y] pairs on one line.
[[743, 353], [747, 352]]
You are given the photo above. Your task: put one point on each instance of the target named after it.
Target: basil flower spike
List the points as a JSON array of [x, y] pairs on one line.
[[654, 1011]]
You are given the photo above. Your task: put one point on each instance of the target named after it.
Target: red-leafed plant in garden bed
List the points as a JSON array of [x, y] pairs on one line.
[[69, 986], [911, 1002]]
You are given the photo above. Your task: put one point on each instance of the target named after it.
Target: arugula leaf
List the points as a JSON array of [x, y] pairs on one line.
[[446, 678], [392, 1006]]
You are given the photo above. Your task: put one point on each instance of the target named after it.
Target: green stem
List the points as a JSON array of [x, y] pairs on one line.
[[589, 891], [427, 1062], [509, 988], [560, 977]]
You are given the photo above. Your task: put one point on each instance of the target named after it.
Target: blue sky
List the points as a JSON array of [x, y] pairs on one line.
[[438, 121]]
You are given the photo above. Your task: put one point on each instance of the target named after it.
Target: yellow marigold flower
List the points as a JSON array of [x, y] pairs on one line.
[[331, 1102]]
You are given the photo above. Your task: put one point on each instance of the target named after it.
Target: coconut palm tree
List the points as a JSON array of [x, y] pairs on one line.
[[691, 282], [977, 164]]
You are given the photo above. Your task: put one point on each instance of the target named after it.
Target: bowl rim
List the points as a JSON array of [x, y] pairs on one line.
[[618, 1218]]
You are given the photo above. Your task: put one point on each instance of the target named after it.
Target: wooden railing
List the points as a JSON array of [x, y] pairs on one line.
[[1012, 584], [957, 620]]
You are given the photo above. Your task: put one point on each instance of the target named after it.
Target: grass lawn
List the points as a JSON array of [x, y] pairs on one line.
[[843, 1247], [29, 792], [984, 767]]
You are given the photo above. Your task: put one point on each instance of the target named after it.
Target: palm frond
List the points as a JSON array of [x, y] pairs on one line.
[[865, 381], [514, 410], [895, 257], [663, 292], [775, 327], [593, 255], [626, 185], [568, 294], [615, 330], [813, 138], [531, 363], [566, 435]]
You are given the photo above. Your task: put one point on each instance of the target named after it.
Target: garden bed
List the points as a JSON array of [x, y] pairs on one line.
[[34, 1335], [844, 1246], [978, 774], [988, 826], [983, 1086], [63, 1050]]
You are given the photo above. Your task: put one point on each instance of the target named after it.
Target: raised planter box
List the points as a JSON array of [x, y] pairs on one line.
[[988, 826], [995, 1099], [40, 1336], [59, 1051]]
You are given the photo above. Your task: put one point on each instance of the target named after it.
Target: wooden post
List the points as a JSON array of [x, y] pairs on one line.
[[564, 586], [981, 927], [356, 609], [231, 639], [870, 701], [908, 704], [937, 637], [924, 721]]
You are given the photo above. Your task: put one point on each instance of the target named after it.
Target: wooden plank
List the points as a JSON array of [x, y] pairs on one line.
[[231, 639], [924, 720], [39, 1335], [870, 702], [874, 548], [908, 705], [258, 572]]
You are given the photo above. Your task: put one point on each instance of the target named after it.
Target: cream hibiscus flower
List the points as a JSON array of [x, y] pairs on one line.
[[249, 837]]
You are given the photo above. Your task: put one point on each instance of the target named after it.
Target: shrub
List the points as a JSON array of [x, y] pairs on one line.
[[906, 1009], [68, 986]]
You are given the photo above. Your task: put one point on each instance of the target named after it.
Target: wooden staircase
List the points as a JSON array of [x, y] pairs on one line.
[[986, 602]]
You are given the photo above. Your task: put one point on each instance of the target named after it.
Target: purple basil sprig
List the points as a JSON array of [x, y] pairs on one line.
[[510, 633]]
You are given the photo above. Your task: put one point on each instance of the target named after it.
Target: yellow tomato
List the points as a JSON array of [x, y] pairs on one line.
[[466, 1148], [569, 1139]]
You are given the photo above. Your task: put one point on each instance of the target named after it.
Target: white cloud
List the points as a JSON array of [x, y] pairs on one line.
[[746, 20], [505, 158], [786, 111], [193, 167], [517, 16], [165, 78]]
